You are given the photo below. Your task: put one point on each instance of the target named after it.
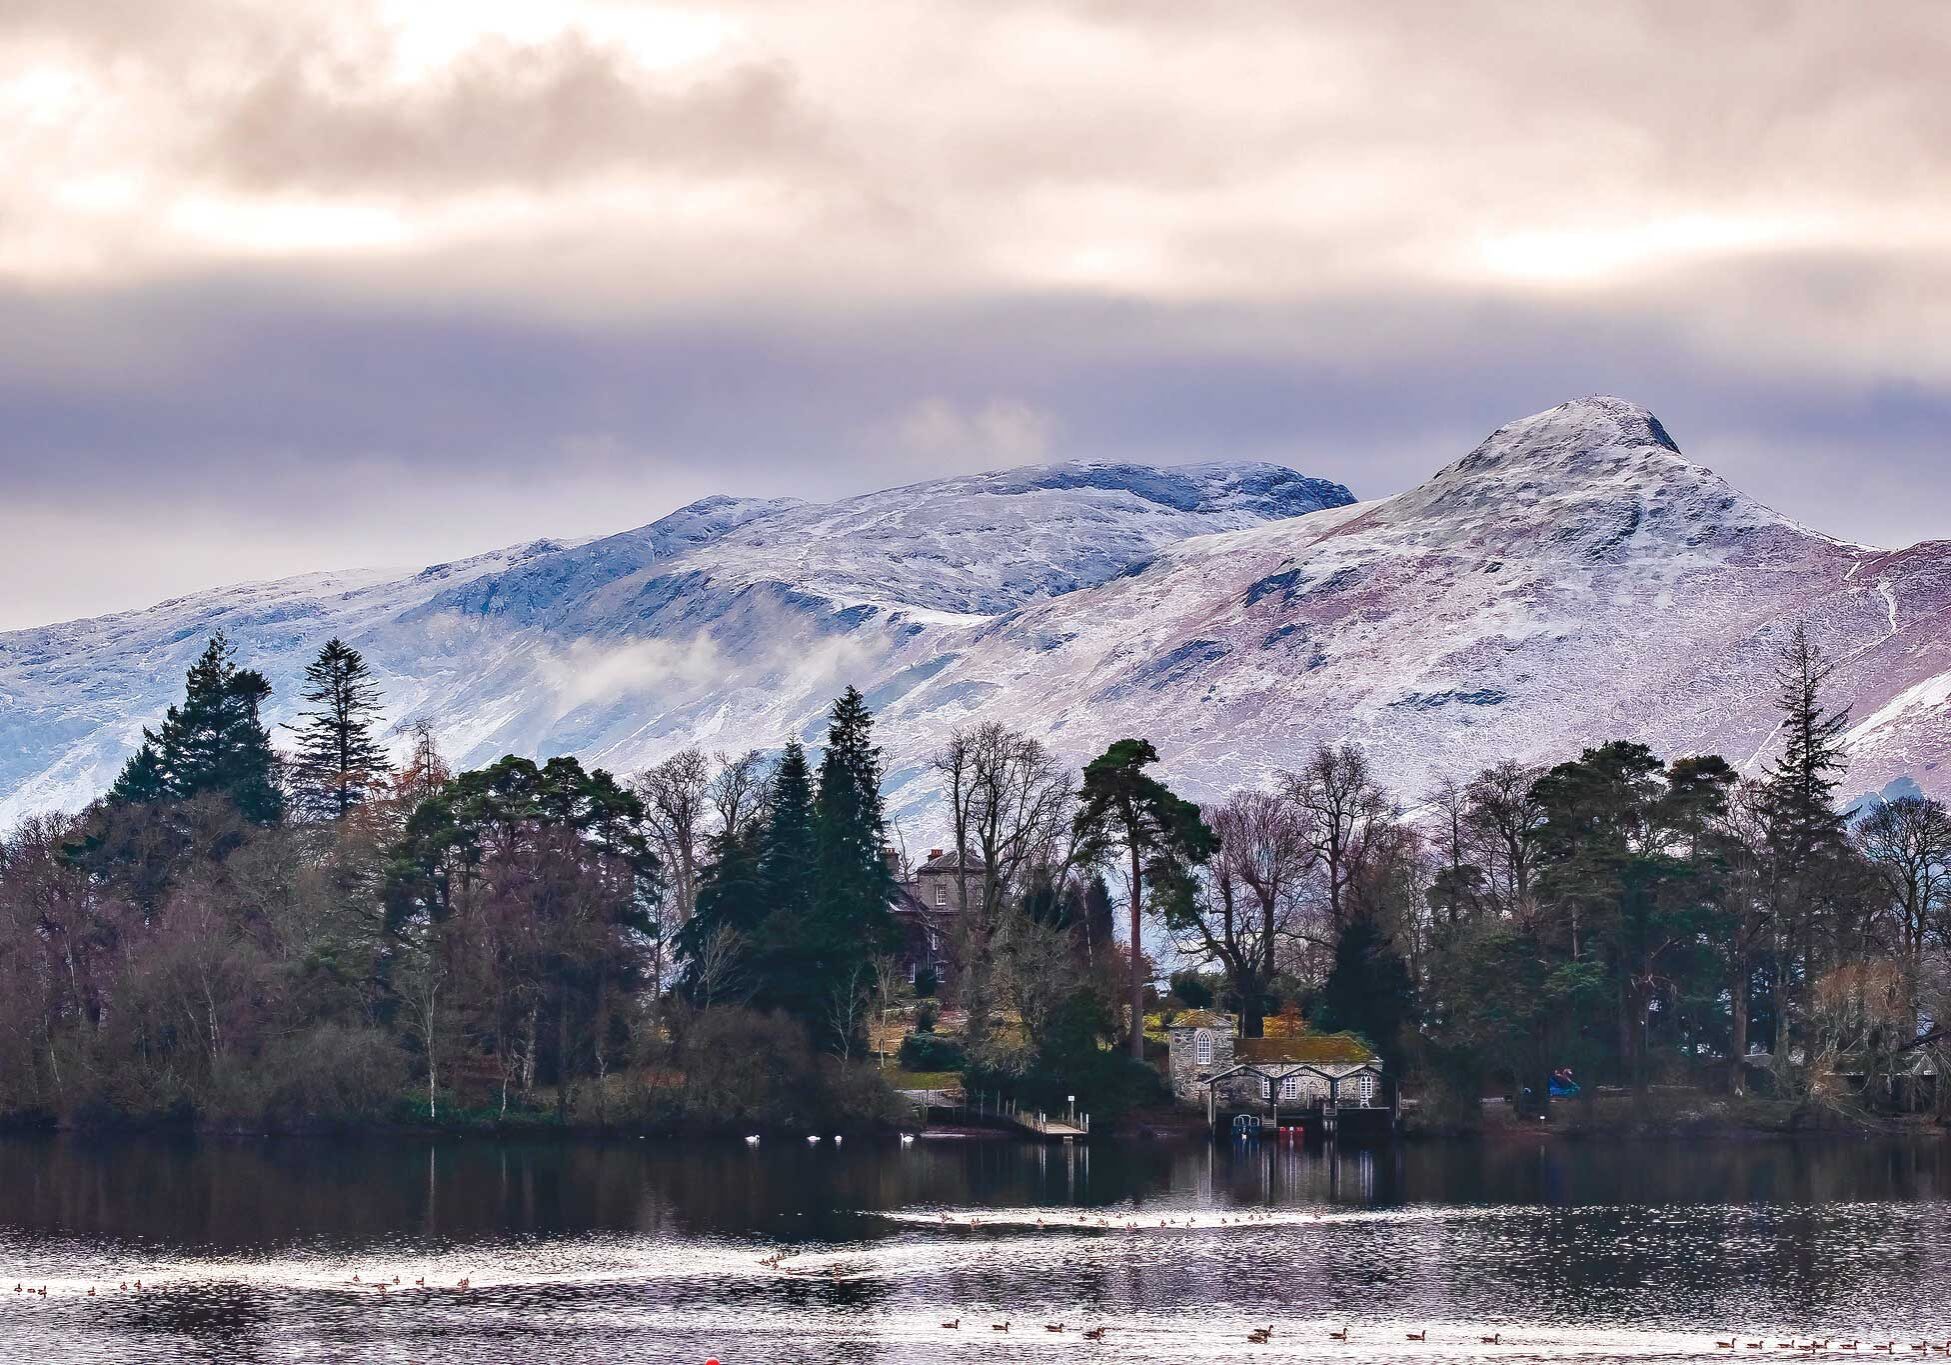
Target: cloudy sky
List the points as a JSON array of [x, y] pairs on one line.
[[319, 283]]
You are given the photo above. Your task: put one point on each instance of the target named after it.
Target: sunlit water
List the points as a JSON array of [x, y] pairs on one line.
[[656, 1252]]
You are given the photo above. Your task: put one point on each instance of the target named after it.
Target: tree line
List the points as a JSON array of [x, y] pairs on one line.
[[241, 935]]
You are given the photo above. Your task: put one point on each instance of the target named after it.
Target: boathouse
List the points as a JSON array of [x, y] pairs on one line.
[[1302, 1074]]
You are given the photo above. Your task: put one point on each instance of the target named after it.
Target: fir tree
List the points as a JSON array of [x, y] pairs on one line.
[[787, 848], [1803, 820], [338, 761], [853, 884], [1806, 835], [213, 743], [141, 780], [849, 921]]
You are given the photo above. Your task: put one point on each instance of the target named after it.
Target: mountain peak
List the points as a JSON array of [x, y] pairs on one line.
[[1591, 475], [1583, 436]]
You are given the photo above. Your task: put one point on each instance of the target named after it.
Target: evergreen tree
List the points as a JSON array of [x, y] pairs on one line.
[[141, 780], [338, 762], [852, 884], [213, 743], [1803, 819], [786, 853], [1369, 991], [1121, 806], [1806, 834]]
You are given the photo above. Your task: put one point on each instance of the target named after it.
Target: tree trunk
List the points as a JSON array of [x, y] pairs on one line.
[[1737, 1080], [1137, 960]]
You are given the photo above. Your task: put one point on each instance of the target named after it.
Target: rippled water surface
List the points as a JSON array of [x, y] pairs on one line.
[[653, 1252]]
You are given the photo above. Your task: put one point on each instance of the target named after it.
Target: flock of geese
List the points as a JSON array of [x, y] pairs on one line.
[[1826, 1344], [1261, 1336]]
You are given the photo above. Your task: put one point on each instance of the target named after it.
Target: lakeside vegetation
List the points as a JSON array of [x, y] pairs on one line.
[[238, 939]]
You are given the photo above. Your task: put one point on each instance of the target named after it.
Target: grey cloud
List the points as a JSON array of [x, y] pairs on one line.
[[504, 115]]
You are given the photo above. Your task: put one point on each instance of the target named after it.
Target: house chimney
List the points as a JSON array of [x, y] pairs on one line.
[[933, 854]]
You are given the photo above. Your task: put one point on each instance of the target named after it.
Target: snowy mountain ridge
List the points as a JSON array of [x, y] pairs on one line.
[[1574, 578], [727, 613]]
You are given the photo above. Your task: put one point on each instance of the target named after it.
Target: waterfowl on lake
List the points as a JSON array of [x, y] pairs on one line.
[[1258, 1336], [999, 1327], [1725, 1345], [1494, 1339], [1053, 1327], [953, 1324], [1419, 1336], [1342, 1335], [1094, 1334]]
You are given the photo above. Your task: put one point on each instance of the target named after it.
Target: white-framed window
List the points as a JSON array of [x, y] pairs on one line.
[[1290, 1087], [1202, 1048], [1365, 1087], [1266, 1087], [941, 895]]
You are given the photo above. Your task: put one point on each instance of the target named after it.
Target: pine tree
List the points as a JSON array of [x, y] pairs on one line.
[[338, 761], [213, 743], [1803, 819], [1121, 806]]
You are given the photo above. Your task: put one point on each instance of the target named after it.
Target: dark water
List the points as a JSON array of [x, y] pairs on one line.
[[644, 1251]]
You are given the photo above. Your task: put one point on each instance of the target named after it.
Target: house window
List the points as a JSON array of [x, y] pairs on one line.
[[1202, 1048], [941, 895], [1290, 1087], [1365, 1087], [1266, 1087]]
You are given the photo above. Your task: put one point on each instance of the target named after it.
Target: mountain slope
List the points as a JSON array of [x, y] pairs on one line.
[[731, 620], [1571, 580]]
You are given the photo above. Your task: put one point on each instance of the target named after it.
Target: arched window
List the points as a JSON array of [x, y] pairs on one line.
[[1202, 1048], [1365, 1087], [1290, 1087]]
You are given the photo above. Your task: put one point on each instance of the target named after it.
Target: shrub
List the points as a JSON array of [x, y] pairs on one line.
[[925, 1018], [926, 1052]]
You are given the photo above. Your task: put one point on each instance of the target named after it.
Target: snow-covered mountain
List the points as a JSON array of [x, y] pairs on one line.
[[731, 622], [1573, 579]]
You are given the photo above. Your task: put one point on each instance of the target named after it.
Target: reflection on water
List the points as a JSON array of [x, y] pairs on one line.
[[274, 1251]]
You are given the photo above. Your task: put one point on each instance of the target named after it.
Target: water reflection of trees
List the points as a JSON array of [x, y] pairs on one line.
[[1828, 1236]]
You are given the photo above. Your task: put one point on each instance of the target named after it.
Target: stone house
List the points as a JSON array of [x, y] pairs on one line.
[[1305, 1071], [927, 907], [939, 881]]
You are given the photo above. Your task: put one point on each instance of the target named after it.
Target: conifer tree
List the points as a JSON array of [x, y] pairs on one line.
[[1121, 806], [787, 849], [850, 828], [338, 761], [1803, 819], [852, 886], [1806, 834], [213, 743]]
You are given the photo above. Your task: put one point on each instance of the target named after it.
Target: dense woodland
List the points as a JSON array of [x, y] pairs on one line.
[[345, 932]]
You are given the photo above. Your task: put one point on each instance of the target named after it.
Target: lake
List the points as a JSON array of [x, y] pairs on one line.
[[649, 1251]]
